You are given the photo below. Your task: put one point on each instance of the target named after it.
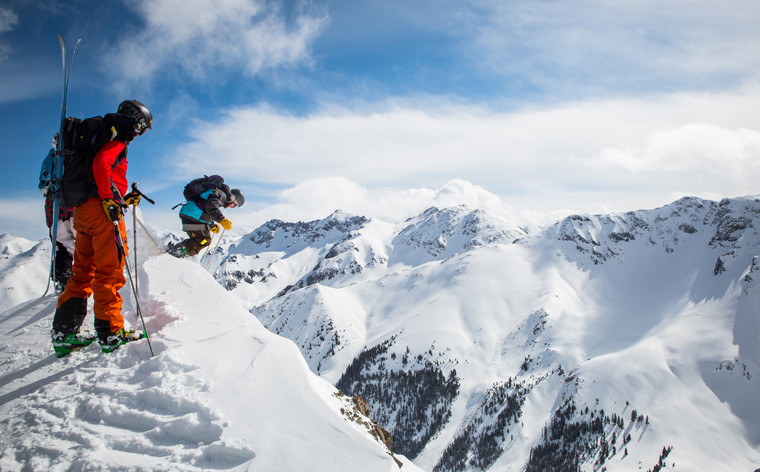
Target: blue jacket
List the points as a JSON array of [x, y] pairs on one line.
[[207, 208]]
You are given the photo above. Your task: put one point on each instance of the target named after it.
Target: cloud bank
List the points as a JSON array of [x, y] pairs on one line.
[[571, 156], [193, 37]]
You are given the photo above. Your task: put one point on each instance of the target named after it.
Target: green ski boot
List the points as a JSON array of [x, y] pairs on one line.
[[112, 342], [63, 344]]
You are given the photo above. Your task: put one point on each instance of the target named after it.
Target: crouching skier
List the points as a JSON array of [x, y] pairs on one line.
[[98, 268], [202, 211]]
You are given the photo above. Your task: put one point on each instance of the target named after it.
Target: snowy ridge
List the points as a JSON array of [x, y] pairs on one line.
[[222, 392], [24, 269], [600, 342], [505, 344], [278, 256], [437, 234], [689, 221]]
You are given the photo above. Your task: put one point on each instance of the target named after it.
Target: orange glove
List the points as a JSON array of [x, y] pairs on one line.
[[226, 224]]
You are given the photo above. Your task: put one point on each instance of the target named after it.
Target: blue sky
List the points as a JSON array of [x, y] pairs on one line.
[[534, 108]]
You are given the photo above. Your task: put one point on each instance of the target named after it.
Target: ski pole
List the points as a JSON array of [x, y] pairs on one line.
[[134, 189], [134, 216], [120, 247], [134, 248], [206, 252], [208, 261], [153, 240], [53, 234], [134, 228]]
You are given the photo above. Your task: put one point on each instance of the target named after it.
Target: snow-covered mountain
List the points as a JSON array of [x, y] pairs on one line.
[[626, 341], [24, 267], [602, 342]]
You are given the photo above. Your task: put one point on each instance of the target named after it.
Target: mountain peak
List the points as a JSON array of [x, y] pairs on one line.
[[440, 233]]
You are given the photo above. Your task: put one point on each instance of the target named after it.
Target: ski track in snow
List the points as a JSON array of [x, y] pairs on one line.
[[90, 399]]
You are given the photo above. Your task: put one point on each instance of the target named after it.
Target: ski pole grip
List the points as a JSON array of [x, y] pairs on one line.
[[134, 189]]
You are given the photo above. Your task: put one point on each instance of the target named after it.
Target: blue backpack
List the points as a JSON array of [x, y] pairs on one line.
[[46, 173]]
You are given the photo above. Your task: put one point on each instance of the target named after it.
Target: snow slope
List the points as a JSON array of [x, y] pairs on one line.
[[602, 342], [469, 340], [24, 268], [221, 392]]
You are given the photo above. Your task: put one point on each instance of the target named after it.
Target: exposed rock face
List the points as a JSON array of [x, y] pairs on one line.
[[357, 410]]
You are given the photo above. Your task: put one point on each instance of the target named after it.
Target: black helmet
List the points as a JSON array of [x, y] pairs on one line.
[[237, 196], [139, 112]]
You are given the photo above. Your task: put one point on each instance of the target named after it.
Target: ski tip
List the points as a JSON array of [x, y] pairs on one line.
[[63, 42]]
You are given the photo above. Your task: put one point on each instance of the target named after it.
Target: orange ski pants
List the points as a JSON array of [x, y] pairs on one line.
[[98, 266]]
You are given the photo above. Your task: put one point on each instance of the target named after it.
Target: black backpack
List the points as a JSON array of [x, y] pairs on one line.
[[82, 139], [196, 187]]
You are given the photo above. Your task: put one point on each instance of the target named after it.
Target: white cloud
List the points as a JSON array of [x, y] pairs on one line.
[[574, 156], [690, 149], [321, 196], [194, 36], [592, 44], [23, 217], [8, 21], [316, 198]]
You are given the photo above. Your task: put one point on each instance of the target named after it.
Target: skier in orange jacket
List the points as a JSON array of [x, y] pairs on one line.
[[98, 268]]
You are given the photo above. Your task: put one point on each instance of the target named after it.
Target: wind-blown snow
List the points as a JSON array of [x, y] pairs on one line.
[[221, 393]]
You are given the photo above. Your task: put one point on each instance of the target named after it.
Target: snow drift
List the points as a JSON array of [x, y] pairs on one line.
[[221, 393]]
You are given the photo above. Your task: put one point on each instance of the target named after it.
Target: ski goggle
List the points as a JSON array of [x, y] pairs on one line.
[[141, 127]]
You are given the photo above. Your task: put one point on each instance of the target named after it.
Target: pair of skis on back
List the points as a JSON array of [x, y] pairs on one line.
[[58, 166], [56, 188]]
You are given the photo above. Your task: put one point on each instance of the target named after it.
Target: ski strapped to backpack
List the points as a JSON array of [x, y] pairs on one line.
[[59, 154]]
